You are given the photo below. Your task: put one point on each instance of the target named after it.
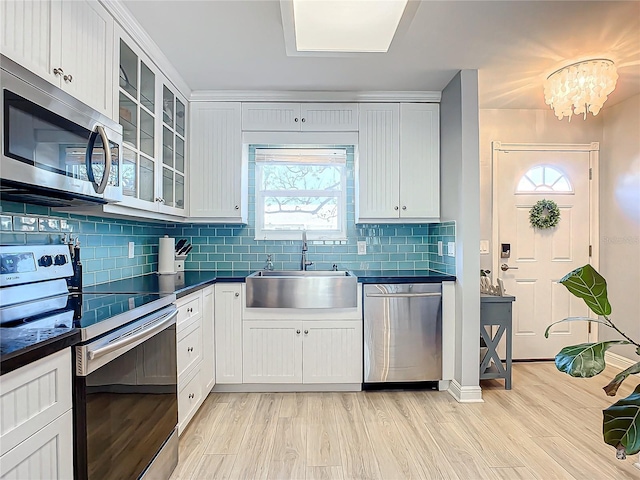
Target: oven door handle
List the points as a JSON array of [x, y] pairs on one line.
[[149, 331]]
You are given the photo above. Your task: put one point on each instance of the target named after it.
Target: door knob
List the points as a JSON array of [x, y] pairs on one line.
[[504, 267]]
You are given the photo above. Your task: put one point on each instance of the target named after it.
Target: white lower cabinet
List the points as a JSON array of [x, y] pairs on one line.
[[228, 332], [195, 353], [308, 352], [36, 433], [332, 352], [47, 454], [272, 352]]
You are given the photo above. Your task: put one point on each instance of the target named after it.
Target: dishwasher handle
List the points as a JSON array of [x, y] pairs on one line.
[[405, 295]]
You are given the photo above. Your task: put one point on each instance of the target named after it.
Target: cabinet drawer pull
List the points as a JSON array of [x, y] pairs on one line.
[[58, 71], [189, 349], [191, 395], [67, 78]]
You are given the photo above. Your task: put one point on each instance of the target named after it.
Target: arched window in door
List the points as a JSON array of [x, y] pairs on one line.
[[544, 179]]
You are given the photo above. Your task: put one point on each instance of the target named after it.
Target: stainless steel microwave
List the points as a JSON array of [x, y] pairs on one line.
[[56, 151]]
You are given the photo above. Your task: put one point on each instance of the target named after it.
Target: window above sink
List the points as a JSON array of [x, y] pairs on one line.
[[301, 189]]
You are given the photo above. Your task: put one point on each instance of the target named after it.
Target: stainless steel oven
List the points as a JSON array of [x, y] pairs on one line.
[[56, 150], [125, 387], [126, 406]]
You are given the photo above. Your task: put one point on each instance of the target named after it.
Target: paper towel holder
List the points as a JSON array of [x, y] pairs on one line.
[[166, 250]]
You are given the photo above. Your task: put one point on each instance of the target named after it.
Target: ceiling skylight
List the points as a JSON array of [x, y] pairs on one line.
[[346, 25]]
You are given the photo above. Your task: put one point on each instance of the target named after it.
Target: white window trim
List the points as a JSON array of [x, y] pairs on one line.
[[341, 195]]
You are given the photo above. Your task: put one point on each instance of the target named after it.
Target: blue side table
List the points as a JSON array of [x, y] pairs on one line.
[[495, 312]]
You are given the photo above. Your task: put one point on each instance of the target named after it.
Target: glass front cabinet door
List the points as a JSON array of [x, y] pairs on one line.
[[153, 119]]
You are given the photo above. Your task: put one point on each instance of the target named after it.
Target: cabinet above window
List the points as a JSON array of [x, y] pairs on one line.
[[300, 117]]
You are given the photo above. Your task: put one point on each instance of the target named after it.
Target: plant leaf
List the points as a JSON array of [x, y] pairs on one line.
[[586, 283], [612, 387], [621, 424], [574, 319], [585, 360]]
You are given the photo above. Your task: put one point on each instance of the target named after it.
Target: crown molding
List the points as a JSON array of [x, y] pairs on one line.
[[129, 24], [314, 96]]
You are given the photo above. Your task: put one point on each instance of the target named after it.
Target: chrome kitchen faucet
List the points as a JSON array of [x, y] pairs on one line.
[[304, 263]]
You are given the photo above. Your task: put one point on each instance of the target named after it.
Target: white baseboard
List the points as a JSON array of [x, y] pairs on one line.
[[465, 394], [287, 387], [618, 361]]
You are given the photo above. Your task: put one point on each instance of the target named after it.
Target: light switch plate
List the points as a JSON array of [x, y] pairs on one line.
[[131, 249], [451, 249], [362, 247], [440, 249], [484, 247]]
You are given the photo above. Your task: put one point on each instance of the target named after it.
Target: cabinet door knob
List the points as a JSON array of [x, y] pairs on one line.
[[298, 332], [295, 119], [58, 71], [67, 78], [304, 120], [404, 207], [306, 332], [190, 349], [237, 294], [395, 208], [237, 207]]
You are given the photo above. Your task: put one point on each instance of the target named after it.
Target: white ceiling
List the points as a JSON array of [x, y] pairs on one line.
[[240, 45]]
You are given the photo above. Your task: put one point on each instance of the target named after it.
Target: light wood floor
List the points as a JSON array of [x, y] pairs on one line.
[[548, 427]]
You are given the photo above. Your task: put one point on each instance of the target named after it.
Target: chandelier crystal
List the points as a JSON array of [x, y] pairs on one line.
[[580, 87]]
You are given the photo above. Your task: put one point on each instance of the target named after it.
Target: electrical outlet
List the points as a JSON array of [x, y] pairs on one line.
[[451, 249], [362, 247], [131, 249], [440, 252]]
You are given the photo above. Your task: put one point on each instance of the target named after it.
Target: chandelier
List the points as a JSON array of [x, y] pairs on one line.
[[580, 87]]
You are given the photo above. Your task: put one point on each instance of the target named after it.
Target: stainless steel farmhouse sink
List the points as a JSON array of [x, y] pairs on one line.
[[301, 289]]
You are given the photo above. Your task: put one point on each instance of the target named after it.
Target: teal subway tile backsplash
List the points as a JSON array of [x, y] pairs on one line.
[[104, 241]]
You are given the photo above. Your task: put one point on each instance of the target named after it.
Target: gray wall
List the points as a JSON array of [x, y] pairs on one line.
[[620, 218], [459, 202]]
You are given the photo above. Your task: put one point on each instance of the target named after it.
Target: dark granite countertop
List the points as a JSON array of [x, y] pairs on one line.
[[181, 283], [21, 346], [402, 276]]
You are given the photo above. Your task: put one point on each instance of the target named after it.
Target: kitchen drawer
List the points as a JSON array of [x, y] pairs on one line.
[[46, 454], [189, 308], [189, 348], [33, 396], [189, 399]]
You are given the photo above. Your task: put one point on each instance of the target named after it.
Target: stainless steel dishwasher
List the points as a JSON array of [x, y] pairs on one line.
[[402, 334]]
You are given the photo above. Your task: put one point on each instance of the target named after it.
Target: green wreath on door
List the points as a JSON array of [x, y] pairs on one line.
[[544, 214]]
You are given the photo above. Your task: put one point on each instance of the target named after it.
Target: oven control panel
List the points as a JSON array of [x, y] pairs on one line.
[[33, 263]]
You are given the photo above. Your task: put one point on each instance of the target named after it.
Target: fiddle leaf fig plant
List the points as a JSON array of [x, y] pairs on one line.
[[621, 421]]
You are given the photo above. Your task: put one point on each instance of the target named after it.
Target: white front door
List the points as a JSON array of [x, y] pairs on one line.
[[538, 258]]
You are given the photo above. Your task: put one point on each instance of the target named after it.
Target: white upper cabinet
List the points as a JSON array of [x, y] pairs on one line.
[[295, 117], [420, 161], [398, 171], [378, 170], [153, 118], [219, 182], [70, 44]]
